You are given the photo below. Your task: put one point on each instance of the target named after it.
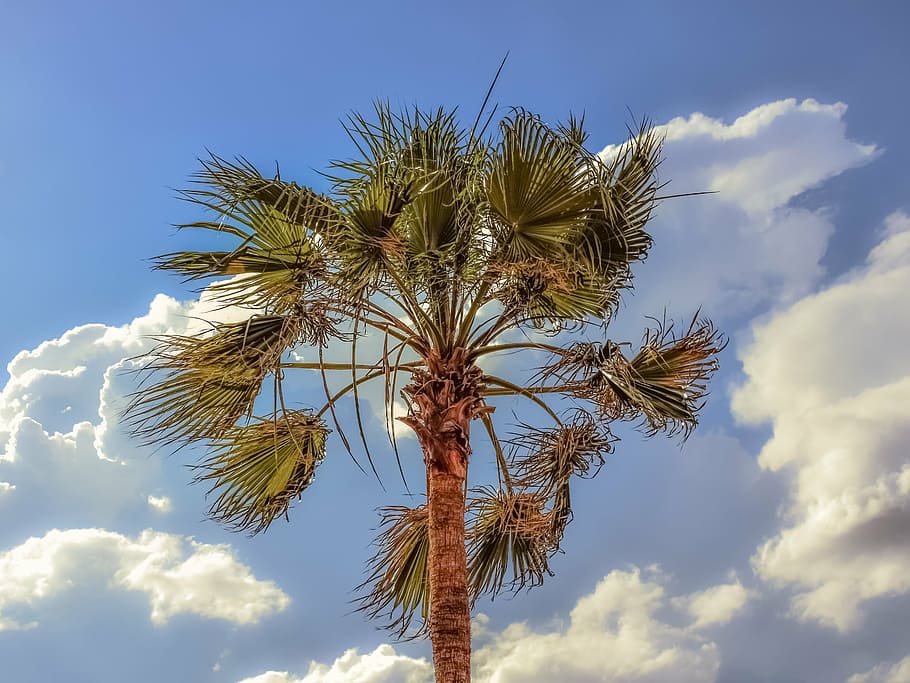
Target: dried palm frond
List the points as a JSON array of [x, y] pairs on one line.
[[664, 384], [553, 456], [553, 294], [398, 586], [317, 325], [261, 467], [510, 528], [208, 382]]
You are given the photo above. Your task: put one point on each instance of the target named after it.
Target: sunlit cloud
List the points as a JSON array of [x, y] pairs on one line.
[[179, 575], [832, 376]]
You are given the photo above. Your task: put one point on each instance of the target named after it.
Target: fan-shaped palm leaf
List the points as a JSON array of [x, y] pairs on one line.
[[622, 195], [548, 293], [278, 224], [537, 190], [258, 469], [665, 383]]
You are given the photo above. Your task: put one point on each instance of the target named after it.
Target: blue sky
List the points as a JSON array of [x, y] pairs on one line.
[[772, 546]]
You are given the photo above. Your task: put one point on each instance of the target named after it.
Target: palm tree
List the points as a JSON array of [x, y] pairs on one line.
[[450, 246]]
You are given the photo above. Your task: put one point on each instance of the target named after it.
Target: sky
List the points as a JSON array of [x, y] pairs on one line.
[[772, 546]]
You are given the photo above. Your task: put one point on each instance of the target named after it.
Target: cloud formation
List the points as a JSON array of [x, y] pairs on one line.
[[615, 633], [885, 673], [60, 438], [715, 605], [619, 632], [179, 575], [382, 665], [747, 245], [832, 376]]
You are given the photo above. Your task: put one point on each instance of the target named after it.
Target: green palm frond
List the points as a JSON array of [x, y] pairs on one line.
[[283, 229], [447, 181], [552, 456], [510, 529], [398, 586], [537, 190], [222, 185], [370, 237], [259, 468], [410, 199], [623, 196], [209, 382]]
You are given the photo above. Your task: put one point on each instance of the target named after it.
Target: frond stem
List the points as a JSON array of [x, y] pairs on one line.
[[360, 380], [496, 348], [530, 394]]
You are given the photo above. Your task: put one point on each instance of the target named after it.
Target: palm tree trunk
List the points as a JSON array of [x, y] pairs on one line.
[[450, 616], [445, 399]]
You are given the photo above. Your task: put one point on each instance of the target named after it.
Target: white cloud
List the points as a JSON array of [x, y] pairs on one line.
[[160, 503], [179, 575], [885, 673], [716, 605], [832, 375], [382, 665], [615, 634], [59, 412], [746, 246]]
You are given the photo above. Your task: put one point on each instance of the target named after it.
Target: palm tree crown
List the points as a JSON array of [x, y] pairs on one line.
[[442, 241]]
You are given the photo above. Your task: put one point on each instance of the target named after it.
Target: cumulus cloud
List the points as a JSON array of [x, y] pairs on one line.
[[614, 634], [747, 245], [382, 665], [59, 413], [885, 673], [617, 633], [832, 376], [715, 605], [179, 575]]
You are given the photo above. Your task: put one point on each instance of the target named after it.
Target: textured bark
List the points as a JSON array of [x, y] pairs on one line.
[[445, 399], [450, 614]]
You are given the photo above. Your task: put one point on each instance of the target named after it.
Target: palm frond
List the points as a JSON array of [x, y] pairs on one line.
[[208, 383], [398, 586], [664, 384], [623, 196], [552, 456], [536, 191], [282, 228], [553, 294], [410, 201], [222, 185], [259, 468], [510, 529], [370, 237]]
